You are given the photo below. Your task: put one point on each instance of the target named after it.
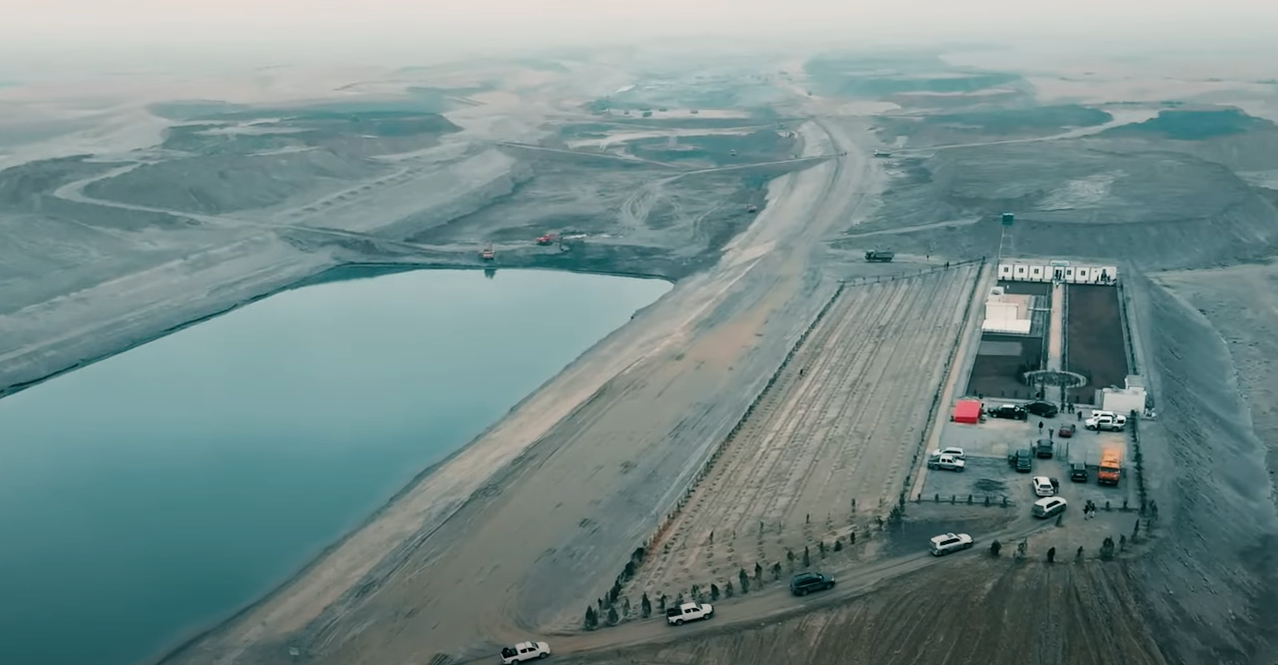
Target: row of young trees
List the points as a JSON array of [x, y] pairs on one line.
[[1108, 549], [613, 607]]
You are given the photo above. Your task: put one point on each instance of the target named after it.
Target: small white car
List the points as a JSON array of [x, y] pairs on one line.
[[952, 452], [947, 463], [1047, 507], [1043, 486], [524, 651], [950, 542]]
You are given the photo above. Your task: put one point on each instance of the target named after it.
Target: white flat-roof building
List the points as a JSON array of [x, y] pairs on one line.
[[1007, 312], [1131, 397]]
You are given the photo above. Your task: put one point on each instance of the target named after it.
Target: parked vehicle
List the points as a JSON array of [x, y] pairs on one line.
[[1009, 411], [876, 256], [1111, 467], [677, 616], [1078, 472], [805, 583], [1043, 486], [524, 651], [949, 542], [952, 452], [1042, 409], [1043, 448], [947, 463], [1066, 431], [1106, 423], [1049, 507], [1022, 460]]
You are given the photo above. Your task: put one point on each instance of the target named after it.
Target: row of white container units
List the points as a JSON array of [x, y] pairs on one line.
[[1061, 271]]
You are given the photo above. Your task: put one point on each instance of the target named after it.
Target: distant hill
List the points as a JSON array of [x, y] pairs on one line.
[[1193, 125]]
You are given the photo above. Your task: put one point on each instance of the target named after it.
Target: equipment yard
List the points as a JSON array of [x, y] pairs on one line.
[[830, 445]]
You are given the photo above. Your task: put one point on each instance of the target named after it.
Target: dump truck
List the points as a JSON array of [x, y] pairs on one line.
[[1111, 467], [876, 256]]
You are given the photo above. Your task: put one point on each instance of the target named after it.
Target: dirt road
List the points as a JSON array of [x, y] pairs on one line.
[[829, 447], [441, 571], [996, 611]]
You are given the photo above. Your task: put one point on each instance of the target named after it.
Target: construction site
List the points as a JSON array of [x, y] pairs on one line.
[[862, 350]]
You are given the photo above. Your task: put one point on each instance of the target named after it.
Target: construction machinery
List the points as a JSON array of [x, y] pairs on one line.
[[752, 208], [882, 153], [547, 239], [1111, 467], [876, 256], [487, 253]]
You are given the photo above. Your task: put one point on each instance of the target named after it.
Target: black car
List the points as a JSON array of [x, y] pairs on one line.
[[805, 583], [1078, 472], [1009, 411], [1043, 448], [1042, 409], [1023, 460]]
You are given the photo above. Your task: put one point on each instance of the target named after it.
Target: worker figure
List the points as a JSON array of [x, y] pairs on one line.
[[1080, 414], [1040, 427]]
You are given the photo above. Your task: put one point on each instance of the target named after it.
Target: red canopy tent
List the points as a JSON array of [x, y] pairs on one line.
[[967, 411]]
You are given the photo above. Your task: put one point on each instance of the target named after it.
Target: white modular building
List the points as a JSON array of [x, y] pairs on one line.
[[1131, 397], [1007, 313]]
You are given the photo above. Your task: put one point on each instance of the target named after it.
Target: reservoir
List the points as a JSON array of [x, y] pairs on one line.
[[151, 494]]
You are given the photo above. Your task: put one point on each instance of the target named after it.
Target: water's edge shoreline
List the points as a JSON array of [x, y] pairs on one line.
[[346, 271]]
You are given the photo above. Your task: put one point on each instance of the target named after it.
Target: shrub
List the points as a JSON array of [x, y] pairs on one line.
[[592, 620], [612, 616], [995, 548], [745, 581], [714, 592], [645, 606]]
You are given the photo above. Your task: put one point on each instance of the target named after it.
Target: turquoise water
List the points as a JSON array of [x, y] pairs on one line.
[[147, 495]]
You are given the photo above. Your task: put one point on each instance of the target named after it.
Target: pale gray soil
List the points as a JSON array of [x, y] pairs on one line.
[[122, 220]]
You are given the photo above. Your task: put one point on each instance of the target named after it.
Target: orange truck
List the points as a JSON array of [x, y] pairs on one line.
[[1111, 467]]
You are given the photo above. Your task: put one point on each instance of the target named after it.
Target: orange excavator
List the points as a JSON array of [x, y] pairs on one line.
[[548, 239]]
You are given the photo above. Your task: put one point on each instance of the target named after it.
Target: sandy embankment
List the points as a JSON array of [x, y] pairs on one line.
[[417, 512]]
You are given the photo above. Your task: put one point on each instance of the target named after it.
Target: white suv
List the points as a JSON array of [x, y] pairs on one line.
[[950, 542], [952, 452], [1043, 486]]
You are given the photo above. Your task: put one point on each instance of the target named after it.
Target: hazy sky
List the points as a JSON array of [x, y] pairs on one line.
[[341, 28]]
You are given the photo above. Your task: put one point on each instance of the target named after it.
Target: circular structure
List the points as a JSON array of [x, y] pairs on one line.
[[1048, 377]]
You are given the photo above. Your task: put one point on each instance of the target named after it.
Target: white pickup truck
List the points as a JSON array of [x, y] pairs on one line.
[[676, 616], [1106, 422], [524, 651]]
